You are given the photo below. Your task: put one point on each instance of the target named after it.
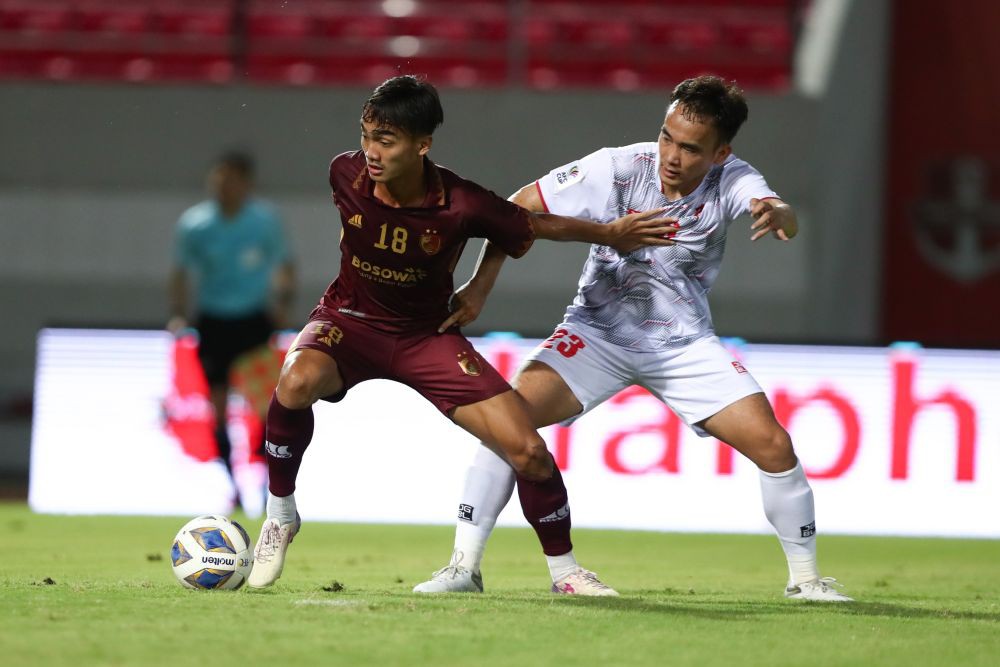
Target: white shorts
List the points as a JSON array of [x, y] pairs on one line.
[[695, 381]]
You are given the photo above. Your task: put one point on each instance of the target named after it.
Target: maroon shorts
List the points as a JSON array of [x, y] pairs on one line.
[[443, 368]]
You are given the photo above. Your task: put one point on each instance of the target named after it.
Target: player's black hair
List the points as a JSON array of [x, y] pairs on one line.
[[405, 102], [239, 161], [710, 97]]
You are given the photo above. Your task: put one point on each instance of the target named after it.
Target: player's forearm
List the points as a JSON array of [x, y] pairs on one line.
[[560, 228], [488, 266]]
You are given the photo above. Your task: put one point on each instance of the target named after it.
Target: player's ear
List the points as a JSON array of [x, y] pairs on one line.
[[424, 144], [722, 152]]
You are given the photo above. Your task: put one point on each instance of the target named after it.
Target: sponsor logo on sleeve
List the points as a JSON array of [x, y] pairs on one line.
[[809, 529], [739, 367], [569, 176], [465, 512]]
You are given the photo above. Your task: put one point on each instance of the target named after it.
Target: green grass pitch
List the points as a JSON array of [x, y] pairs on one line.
[[99, 591]]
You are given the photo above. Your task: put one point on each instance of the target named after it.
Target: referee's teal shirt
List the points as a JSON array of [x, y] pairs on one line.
[[232, 258]]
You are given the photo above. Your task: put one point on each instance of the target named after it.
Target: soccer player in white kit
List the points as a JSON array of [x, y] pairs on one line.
[[643, 319]]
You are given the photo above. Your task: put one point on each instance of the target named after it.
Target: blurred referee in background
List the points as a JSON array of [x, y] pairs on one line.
[[234, 247]]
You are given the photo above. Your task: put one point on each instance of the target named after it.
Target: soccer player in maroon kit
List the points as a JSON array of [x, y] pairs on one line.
[[405, 224]]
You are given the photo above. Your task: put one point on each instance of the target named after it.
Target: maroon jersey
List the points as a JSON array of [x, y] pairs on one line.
[[397, 263]]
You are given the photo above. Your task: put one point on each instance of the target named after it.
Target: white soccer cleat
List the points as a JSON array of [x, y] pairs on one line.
[[823, 589], [453, 578], [583, 582], [269, 554]]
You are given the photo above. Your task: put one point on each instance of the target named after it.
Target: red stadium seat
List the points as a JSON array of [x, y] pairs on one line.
[[614, 44], [765, 35], [685, 35], [284, 25], [113, 19], [202, 20], [355, 26], [36, 17]]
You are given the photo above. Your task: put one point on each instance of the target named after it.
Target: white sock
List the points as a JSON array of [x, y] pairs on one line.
[[788, 505], [562, 566], [489, 483], [282, 509]]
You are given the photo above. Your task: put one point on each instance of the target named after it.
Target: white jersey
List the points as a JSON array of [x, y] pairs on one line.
[[656, 297]]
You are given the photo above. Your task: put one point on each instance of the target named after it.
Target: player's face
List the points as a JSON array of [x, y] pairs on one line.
[[230, 187], [688, 149], [391, 153]]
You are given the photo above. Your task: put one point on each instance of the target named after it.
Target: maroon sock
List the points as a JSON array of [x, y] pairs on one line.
[[546, 507], [288, 435]]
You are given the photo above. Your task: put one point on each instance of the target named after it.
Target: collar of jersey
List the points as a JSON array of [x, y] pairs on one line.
[[701, 185], [437, 194]]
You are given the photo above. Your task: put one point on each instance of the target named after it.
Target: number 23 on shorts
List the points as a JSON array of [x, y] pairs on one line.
[[565, 343]]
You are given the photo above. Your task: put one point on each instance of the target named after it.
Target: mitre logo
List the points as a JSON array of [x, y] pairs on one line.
[[278, 451], [558, 515], [355, 220]]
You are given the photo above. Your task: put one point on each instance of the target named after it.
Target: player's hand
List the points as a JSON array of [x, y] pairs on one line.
[[636, 230], [773, 216], [465, 305]]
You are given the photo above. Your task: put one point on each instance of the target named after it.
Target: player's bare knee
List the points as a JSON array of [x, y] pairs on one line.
[[775, 452], [535, 463], [296, 388]]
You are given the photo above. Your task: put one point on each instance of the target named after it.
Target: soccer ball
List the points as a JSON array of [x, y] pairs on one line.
[[211, 552]]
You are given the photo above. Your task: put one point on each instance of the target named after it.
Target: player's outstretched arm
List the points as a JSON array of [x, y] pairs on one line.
[[773, 216], [624, 234]]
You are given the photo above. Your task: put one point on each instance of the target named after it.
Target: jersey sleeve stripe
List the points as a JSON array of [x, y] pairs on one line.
[[538, 187]]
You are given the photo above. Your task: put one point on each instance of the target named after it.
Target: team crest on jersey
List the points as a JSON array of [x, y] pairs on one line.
[[469, 364], [355, 220], [430, 242]]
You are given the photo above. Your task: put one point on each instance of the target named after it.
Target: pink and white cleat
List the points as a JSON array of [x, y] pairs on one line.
[[583, 582]]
